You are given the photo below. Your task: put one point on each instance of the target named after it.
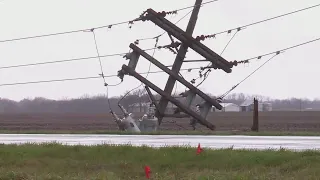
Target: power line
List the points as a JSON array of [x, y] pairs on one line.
[[98, 54], [62, 33], [188, 7], [203, 37], [76, 59], [67, 60], [234, 87], [282, 50], [275, 53], [102, 72], [72, 59], [82, 78], [263, 55], [82, 30], [204, 3]]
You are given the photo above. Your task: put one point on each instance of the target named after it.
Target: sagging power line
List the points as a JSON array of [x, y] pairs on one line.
[[109, 26], [69, 60], [121, 54], [83, 78]]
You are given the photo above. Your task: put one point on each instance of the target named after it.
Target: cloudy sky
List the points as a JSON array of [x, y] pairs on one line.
[[291, 74]]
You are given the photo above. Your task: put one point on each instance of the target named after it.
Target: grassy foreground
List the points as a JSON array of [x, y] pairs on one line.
[[53, 161], [206, 132]]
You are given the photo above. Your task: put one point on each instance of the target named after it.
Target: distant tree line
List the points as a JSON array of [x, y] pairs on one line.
[[100, 104]]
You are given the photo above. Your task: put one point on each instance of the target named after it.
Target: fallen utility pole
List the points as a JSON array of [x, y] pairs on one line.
[[186, 41], [179, 60]]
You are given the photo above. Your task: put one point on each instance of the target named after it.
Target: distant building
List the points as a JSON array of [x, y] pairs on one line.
[[227, 107], [247, 106], [139, 107], [266, 106], [143, 107], [310, 109]]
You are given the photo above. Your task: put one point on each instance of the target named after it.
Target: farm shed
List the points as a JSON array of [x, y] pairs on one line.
[[247, 106], [143, 107], [267, 107], [139, 107], [227, 107]]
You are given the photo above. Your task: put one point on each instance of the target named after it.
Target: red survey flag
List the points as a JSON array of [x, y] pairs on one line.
[[199, 149], [147, 170]]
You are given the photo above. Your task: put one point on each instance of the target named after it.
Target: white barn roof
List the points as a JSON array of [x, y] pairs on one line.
[[227, 104], [247, 103]]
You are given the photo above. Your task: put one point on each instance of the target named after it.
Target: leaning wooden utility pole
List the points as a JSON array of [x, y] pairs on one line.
[[179, 60], [186, 41]]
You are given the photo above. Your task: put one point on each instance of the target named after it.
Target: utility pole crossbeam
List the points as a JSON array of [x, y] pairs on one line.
[[188, 41]]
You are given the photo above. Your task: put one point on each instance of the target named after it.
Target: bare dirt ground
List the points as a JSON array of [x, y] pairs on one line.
[[269, 121]]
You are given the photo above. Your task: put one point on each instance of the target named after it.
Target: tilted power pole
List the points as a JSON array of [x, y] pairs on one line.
[[187, 41], [179, 60]]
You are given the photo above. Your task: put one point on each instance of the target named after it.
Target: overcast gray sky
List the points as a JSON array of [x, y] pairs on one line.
[[291, 74]]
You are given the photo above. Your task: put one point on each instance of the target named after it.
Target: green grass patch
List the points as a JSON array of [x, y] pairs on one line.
[[206, 132], [54, 161]]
